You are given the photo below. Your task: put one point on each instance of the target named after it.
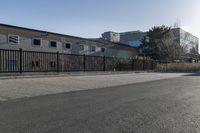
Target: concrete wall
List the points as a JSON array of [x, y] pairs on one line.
[[132, 36], [111, 36]]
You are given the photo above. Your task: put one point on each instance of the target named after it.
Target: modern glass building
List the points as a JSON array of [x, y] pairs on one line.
[[189, 42]]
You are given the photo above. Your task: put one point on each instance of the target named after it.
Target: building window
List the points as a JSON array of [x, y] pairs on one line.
[[13, 39], [53, 44], [67, 45], [82, 47], [103, 49], [37, 42], [93, 49]]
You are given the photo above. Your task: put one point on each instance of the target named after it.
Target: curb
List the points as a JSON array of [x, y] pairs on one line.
[[68, 74]]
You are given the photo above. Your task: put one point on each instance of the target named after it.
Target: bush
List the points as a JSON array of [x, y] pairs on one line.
[[179, 67]]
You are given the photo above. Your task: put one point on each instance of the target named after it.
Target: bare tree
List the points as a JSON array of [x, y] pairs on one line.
[[177, 24], [170, 50]]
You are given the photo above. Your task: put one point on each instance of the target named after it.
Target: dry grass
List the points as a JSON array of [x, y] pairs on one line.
[[179, 67]]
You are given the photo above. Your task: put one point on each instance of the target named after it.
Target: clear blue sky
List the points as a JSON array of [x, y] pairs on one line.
[[89, 18]]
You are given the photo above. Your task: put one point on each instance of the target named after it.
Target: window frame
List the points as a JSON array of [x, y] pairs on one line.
[[53, 41], [9, 35], [102, 50], [82, 47], [95, 48], [69, 44], [37, 39]]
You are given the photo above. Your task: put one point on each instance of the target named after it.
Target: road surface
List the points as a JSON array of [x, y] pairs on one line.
[[162, 106], [30, 87]]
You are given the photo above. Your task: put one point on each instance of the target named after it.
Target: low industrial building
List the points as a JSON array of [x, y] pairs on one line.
[[14, 38]]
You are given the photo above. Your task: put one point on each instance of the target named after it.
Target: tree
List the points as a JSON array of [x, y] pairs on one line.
[[160, 44], [170, 50]]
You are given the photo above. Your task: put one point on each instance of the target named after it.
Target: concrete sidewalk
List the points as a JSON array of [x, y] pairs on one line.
[[63, 74], [29, 87]]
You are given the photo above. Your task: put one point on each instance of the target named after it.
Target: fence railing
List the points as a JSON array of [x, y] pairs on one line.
[[19, 61]]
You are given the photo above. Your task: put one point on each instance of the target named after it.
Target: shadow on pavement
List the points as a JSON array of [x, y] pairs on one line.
[[193, 74]]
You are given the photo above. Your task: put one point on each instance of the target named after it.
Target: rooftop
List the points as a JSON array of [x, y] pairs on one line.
[[131, 32]]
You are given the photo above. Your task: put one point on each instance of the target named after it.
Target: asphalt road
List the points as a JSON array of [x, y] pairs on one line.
[[30, 87], [165, 106]]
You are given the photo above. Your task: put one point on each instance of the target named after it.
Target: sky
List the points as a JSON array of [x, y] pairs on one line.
[[90, 18]]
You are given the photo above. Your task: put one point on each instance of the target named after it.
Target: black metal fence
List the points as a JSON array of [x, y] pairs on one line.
[[19, 61]]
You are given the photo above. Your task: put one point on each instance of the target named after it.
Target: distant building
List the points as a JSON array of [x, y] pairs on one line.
[[189, 42], [132, 36], [111, 36]]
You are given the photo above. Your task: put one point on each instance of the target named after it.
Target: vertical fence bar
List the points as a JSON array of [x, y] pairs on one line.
[[23, 64], [120, 66], [20, 60], [58, 62], [84, 63], [0, 62], [27, 61], [3, 61], [152, 64], [133, 65], [156, 64], [104, 63], [7, 62], [143, 64]]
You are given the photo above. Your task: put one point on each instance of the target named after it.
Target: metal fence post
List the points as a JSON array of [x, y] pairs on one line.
[[152, 64], [156, 64], [58, 62], [120, 66], [104, 63], [20, 60], [84, 63], [143, 64], [133, 65]]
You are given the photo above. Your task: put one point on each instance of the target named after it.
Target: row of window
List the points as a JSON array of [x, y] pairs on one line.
[[14, 39]]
